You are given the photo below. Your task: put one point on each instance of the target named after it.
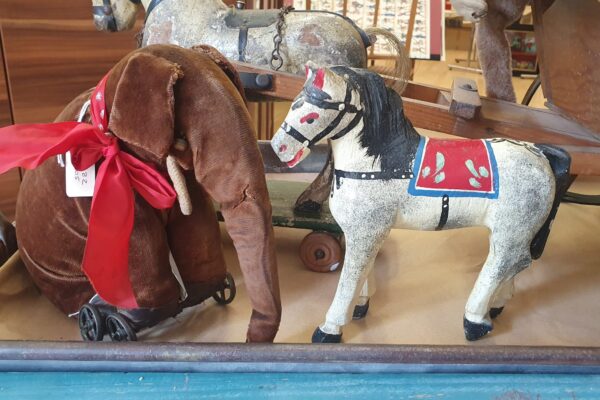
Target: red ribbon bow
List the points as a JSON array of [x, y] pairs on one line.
[[105, 261]]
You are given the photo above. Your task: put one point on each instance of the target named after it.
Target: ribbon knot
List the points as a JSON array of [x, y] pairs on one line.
[[111, 150], [106, 256]]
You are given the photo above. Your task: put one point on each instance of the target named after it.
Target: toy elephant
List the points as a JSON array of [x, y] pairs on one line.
[[174, 109]]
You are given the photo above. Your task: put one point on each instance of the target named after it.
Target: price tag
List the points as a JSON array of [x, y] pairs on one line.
[[79, 183]]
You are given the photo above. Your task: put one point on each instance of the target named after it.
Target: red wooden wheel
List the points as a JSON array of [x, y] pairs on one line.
[[321, 252]]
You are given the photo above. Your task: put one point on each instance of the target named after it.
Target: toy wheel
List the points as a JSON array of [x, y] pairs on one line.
[[227, 294], [321, 252], [91, 324], [119, 329]]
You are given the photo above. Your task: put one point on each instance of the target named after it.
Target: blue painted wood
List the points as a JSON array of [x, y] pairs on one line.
[[166, 386]]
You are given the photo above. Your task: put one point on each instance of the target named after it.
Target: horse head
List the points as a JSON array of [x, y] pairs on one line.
[[114, 15], [327, 107]]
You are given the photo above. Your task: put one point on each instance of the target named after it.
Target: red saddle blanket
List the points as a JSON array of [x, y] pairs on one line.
[[457, 168]]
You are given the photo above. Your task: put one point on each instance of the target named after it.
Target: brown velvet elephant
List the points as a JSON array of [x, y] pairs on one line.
[[158, 97]]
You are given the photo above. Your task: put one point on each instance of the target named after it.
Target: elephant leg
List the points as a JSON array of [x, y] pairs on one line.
[[494, 49], [312, 199], [152, 280], [250, 228], [195, 242]]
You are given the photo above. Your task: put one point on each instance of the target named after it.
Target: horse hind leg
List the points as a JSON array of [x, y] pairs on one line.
[[502, 264], [501, 297]]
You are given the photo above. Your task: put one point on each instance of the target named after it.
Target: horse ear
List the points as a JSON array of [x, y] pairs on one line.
[[317, 74], [142, 111]]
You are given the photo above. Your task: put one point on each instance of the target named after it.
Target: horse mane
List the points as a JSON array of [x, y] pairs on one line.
[[388, 135]]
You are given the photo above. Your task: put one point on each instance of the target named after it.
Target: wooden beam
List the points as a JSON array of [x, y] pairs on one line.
[[427, 108]]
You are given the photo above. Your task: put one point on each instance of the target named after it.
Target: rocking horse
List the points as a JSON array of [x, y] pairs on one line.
[[284, 39], [388, 176]]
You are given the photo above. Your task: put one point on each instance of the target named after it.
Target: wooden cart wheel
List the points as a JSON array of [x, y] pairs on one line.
[[321, 252]]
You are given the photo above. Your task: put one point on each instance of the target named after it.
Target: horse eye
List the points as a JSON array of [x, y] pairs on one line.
[[309, 118]]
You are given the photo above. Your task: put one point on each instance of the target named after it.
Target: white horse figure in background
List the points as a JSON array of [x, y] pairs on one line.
[[388, 176], [248, 35]]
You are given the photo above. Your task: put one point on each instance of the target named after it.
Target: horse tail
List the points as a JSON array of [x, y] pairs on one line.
[[402, 68], [560, 162]]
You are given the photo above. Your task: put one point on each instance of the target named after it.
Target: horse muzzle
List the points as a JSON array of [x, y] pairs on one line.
[[288, 149]]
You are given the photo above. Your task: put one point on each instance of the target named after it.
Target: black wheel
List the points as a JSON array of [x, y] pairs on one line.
[[91, 323], [227, 294], [119, 329]]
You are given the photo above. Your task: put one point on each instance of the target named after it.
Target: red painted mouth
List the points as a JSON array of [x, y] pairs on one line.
[[296, 159]]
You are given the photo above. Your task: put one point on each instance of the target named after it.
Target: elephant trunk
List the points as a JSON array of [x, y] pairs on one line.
[[249, 225]]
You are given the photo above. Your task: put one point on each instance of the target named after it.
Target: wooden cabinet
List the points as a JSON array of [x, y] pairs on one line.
[[51, 52]]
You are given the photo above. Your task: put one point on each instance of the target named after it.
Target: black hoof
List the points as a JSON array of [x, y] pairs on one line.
[[307, 207], [321, 337], [475, 331], [495, 311], [360, 311]]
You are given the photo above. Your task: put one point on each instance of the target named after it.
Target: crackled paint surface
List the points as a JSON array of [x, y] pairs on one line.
[[321, 37]]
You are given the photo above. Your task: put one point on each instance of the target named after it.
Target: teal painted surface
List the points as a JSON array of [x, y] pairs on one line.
[[166, 386]]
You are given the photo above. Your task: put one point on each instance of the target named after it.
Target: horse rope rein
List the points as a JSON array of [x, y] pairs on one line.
[[276, 60]]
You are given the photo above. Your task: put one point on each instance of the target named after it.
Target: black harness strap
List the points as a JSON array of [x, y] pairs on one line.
[[344, 107], [444, 213], [370, 176]]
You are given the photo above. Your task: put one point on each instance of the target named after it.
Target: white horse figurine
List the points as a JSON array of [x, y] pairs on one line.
[[388, 176], [248, 35]]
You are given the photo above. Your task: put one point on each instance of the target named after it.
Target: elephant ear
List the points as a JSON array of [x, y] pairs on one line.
[[142, 111]]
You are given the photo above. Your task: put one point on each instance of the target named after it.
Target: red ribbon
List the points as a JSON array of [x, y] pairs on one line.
[[105, 261]]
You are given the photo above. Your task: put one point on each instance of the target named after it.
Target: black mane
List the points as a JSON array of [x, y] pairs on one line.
[[387, 135]]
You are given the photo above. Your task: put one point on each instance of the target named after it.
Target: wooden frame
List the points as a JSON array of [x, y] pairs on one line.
[[428, 107]]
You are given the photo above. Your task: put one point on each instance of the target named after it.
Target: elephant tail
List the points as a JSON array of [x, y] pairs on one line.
[[402, 65], [560, 162]]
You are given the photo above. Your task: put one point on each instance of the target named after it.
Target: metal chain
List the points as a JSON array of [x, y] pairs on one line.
[[276, 58]]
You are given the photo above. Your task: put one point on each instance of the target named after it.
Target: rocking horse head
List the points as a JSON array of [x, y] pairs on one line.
[[340, 102]]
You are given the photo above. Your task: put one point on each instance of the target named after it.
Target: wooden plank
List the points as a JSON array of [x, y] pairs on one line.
[[53, 52], [567, 36], [496, 119], [464, 99]]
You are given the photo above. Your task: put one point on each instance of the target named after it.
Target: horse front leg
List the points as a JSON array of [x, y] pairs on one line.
[[362, 305], [362, 245]]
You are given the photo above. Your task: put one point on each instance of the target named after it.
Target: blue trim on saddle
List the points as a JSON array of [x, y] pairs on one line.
[[413, 190]]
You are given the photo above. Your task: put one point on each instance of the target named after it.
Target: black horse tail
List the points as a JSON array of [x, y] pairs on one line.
[[560, 162]]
